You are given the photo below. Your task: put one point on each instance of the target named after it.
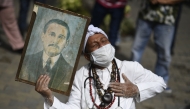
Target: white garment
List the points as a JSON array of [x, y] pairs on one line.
[[147, 82]]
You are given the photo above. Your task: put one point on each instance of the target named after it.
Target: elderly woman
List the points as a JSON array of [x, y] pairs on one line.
[[9, 24], [106, 82]]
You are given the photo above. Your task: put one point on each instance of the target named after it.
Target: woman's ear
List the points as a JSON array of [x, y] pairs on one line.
[[87, 56]]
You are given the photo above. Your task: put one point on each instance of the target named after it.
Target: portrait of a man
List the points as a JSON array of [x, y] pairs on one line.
[[53, 46], [50, 61]]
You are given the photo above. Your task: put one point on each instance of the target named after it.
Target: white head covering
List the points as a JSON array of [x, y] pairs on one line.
[[90, 32]]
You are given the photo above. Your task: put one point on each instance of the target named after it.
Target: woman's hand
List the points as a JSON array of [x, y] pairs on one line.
[[42, 88], [127, 89]]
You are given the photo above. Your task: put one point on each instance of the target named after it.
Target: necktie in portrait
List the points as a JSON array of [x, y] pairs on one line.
[[47, 67]]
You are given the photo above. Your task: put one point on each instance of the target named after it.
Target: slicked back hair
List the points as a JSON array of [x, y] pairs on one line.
[[57, 21]]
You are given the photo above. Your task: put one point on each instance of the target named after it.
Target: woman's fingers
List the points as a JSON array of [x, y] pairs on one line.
[[42, 83], [38, 83]]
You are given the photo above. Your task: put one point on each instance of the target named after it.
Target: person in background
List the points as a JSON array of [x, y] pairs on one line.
[[23, 13], [159, 17], [116, 10], [10, 27]]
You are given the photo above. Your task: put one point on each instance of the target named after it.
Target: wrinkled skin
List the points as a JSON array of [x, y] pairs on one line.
[[127, 89], [42, 88]]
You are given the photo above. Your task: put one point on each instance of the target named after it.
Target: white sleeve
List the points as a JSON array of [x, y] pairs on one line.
[[148, 83], [56, 105], [74, 98]]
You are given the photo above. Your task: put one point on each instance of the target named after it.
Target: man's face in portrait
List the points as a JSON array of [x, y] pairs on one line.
[[54, 39]]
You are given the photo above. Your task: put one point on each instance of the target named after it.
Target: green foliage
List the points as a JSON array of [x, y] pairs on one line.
[[105, 24], [73, 5], [76, 6], [127, 27]]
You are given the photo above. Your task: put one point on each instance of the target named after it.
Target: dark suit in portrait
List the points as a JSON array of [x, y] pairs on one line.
[[60, 73], [50, 61]]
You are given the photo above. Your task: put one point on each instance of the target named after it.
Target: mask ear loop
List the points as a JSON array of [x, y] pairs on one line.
[[91, 59]]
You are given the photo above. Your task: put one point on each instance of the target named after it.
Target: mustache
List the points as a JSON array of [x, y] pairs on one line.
[[54, 45]]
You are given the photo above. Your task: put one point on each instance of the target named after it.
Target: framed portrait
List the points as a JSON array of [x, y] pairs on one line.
[[53, 47]]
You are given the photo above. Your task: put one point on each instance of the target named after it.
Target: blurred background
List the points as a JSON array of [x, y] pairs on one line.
[[17, 95]]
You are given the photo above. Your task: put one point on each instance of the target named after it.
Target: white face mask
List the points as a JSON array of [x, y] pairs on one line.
[[103, 56]]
